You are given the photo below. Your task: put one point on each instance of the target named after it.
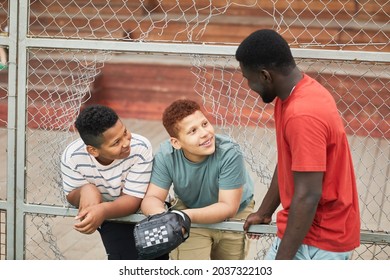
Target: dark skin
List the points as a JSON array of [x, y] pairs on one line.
[[268, 206], [270, 84], [307, 194]]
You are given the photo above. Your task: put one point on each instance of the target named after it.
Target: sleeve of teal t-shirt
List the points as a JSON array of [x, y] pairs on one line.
[[162, 164], [232, 170]]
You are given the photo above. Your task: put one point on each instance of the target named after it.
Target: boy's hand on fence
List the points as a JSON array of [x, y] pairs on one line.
[[90, 219]]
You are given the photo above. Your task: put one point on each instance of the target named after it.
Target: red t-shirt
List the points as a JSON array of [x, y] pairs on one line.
[[311, 137]]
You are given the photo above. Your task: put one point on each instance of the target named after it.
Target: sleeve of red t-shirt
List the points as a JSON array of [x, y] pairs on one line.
[[306, 137]]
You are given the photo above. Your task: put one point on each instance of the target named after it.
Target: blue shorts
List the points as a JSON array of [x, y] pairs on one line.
[[306, 252]]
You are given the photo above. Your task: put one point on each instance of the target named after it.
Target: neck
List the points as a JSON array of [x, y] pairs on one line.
[[292, 80]]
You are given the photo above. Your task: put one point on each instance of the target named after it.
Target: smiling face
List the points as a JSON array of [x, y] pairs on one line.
[[116, 144], [196, 137]]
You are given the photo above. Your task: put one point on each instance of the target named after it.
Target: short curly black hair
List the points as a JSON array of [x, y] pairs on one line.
[[267, 49], [177, 111], [93, 121]]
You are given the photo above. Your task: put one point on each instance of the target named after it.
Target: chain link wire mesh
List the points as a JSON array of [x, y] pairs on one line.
[[59, 82], [39, 229], [361, 91], [238, 111], [4, 17], [3, 244], [341, 24]]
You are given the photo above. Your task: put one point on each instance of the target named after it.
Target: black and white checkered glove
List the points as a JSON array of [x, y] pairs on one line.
[[159, 234]]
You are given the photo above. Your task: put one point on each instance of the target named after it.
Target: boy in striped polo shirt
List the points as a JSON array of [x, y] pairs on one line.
[[105, 175]]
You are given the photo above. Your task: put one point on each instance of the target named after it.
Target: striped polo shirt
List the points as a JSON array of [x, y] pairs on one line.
[[130, 175]]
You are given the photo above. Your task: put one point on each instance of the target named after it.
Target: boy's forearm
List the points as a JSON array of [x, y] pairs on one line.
[[214, 213], [152, 205], [74, 197], [84, 196], [121, 207]]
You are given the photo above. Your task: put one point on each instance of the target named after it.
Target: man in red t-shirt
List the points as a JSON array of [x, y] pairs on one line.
[[314, 180]]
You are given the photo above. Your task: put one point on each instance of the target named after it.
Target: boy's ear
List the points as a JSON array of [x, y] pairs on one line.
[[93, 151], [175, 143]]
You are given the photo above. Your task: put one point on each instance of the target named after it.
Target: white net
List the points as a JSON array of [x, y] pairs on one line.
[[59, 82], [361, 91], [345, 24], [237, 111]]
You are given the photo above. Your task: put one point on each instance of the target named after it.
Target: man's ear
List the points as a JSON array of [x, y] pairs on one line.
[[92, 151], [175, 143], [265, 75]]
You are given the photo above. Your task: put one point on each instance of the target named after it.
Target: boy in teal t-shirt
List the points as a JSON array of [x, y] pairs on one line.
[[209, 179]]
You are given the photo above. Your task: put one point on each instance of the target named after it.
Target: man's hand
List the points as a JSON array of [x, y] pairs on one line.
[[255, 219]]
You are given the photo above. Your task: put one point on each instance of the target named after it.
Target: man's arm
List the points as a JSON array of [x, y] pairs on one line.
[[307, 194], [268, 206]]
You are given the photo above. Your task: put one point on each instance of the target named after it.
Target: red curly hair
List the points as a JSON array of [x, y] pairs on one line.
[[177, 111]]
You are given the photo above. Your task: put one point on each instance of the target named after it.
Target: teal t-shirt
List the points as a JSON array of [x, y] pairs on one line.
[[198, 184]]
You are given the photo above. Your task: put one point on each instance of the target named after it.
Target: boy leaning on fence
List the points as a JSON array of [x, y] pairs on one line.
[[105, 175], [209, 179]]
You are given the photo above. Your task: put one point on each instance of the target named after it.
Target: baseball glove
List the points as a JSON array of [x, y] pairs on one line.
[[159, 234]]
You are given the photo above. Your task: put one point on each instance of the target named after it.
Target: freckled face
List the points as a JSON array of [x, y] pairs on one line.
[[196, 137], [116, 144]]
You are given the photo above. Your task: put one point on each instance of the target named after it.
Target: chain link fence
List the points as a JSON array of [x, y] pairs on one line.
[[67, 49]]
